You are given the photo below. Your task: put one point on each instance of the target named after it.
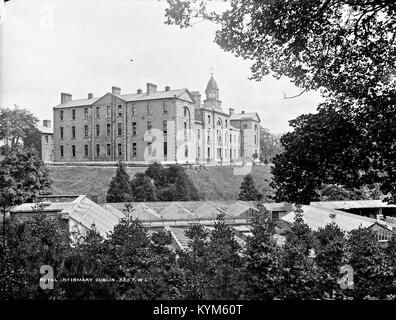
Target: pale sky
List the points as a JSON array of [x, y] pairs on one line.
[[49, 47]]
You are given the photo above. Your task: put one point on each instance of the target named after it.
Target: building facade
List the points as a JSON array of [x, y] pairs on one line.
[[47, 141], [166, 126]]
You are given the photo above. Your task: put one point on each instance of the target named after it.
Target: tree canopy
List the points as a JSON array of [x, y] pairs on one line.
[[23, 176], [120, 189], [345, 49], [15, 125], [249, 191]]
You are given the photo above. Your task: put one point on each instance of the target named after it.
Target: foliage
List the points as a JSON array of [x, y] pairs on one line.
[[213, 267], [142, 188], [249, 191], [155, 171], [23, 176], [334, 193], [172, 183], [339, 46], [330, 246], [194, 261], [270, 145], [299, 274], [15, 125], [29, 245], [120, 188], [262, 270], [373, 271], [307, 166], [344, 49], [224, 271], [33, 140]]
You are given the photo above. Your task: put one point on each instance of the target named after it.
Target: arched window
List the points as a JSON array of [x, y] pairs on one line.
[[187, 114], [219, 122]]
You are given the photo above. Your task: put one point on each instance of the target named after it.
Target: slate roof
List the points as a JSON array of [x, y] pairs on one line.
[[246, 115], [126, 97]]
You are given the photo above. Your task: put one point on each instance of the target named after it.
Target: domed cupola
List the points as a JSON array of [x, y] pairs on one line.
[[212, 95], [212, 85]]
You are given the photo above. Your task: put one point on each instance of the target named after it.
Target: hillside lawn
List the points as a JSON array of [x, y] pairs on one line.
[[213, 183]]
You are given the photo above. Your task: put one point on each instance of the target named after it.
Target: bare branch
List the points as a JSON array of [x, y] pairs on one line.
[[292, 97]]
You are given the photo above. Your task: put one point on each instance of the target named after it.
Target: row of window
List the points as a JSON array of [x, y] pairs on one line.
[[233, 153], [219, 136], [119, 150], [219, 121], [119, 129], [165, 106], [97, 150]]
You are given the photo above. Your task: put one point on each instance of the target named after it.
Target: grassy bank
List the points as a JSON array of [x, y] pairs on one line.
[[214, 183]]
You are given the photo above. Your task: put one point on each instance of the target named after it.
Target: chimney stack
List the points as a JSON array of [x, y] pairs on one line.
[[231, 110], [139, 91], [90, 95], [151, 88], [167, 88], [47, 123], [115, 90], [65, 97]]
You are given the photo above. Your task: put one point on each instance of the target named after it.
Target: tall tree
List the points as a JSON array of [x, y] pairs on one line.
[[127, 255], [373, 271], [120, 188], [249, 191], [31, 244], [299, 275], [15, 125], [33, 140], [330, 247], [23, 176], [194, 262], [262, 258], [224, 273]]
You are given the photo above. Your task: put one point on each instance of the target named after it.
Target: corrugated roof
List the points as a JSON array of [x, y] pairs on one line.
[[274, 206], [353, 204], [208, 211], [240, 209], [144, 213], [316, 217], [81, 210], [179, 237], [87, 213], [176, 212]]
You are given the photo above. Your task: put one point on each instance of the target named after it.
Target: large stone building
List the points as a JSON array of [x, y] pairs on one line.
[[166, 126]]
